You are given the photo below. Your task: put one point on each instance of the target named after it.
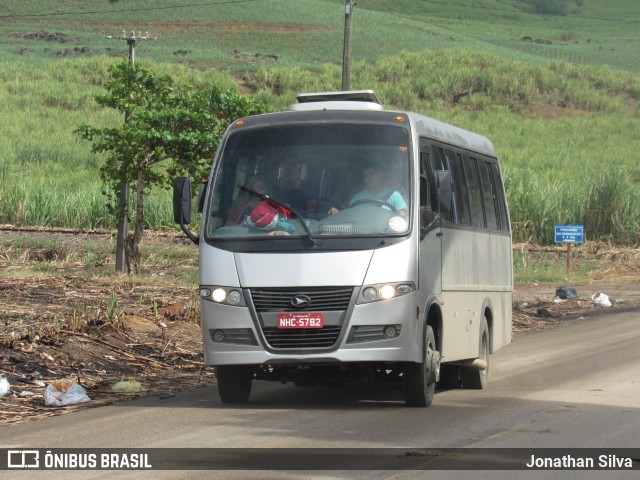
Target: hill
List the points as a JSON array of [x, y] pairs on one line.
[[243, 34], [557, 93]]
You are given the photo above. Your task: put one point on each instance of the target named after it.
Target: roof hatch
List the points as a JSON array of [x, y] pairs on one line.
[[346, 100]]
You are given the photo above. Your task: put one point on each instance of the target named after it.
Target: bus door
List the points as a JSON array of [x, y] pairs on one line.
[[430, 229]]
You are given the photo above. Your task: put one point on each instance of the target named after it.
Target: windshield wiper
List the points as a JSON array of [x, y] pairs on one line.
[[309, 236]]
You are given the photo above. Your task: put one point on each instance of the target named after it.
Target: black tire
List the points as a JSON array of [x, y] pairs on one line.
[[473, 377], [234, 383], [418, 384]]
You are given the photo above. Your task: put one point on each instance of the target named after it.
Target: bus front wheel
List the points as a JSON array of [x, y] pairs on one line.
[[419, 379], [234, 383]]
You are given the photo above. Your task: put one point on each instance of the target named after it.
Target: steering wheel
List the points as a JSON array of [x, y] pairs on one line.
[[375, 201]]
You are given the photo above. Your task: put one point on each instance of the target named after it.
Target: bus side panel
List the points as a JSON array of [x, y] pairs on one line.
[[476, 271]]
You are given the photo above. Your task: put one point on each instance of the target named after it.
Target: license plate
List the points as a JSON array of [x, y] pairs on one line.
[[300, 320]]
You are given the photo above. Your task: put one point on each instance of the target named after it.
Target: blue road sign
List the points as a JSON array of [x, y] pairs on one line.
[[569, 234]]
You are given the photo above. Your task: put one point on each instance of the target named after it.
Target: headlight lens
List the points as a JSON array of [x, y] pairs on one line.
[[385, 291], [369, 294], [225, 295], [234, 297], [219, 295]]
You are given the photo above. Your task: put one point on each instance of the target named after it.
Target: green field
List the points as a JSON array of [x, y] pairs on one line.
[[309, 32], [557, 94]]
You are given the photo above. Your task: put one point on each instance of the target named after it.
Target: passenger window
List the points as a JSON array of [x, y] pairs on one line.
[[440, 159], [489, 195], [502, 204], [440, 163], [460, 206], [428, 191], [474, 191]]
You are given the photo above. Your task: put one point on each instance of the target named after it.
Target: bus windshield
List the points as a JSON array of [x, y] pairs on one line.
[[314, 180]]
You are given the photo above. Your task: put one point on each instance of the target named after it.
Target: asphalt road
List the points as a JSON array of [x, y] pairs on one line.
[[576, 385]]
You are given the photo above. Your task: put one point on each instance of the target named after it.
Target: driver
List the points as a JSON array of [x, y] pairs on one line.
[[375, 190]]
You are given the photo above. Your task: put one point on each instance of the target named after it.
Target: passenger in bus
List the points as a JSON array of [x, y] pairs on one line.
[[245, 203], [270, 218], [375, 189], [290, 187]]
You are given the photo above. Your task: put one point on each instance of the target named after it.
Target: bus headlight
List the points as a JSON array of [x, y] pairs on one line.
[[369, 294], [234, 297], [224, 295], [219, 295], [385, 291]]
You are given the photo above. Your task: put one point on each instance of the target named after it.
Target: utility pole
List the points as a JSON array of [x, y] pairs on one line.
[[346, 55], [123, 204]]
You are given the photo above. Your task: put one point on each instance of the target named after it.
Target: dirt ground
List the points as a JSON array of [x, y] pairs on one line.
[[64, 315]]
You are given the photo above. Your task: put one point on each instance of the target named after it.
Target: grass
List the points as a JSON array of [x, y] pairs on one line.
[[535, 266], [561, 108], [553, 127], [593, 34], [164, 261], [167, 263]]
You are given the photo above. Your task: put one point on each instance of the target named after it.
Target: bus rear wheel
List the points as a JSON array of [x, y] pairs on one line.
[[419, 379], [234, 383], [474, 377]]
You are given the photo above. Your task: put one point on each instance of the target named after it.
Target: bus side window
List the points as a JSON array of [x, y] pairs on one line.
[[443, 196], [459, 189], [489, 195], [428, 190], [474, 191], [502, 204], [440, 159]]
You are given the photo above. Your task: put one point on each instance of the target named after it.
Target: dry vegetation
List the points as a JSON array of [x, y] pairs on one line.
[[63, 314]]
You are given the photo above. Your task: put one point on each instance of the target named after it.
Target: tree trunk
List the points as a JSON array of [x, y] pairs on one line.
[[134, 258]]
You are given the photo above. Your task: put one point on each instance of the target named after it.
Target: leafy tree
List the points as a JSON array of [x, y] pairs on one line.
[[165, 122]]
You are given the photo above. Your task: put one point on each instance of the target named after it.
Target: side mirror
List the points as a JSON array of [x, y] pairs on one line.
[[182, 201], [182, 206]]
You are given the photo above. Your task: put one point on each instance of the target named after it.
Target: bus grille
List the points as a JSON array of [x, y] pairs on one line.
[[322, 299], [331, 299], [299, 339]]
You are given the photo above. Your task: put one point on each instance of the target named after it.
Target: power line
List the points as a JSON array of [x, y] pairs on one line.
[[122, 10]]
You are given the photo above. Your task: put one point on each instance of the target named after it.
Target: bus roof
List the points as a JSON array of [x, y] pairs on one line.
[[364, 105], [450, 134]]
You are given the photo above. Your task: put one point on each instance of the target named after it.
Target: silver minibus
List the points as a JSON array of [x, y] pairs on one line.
[[341, 242]]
